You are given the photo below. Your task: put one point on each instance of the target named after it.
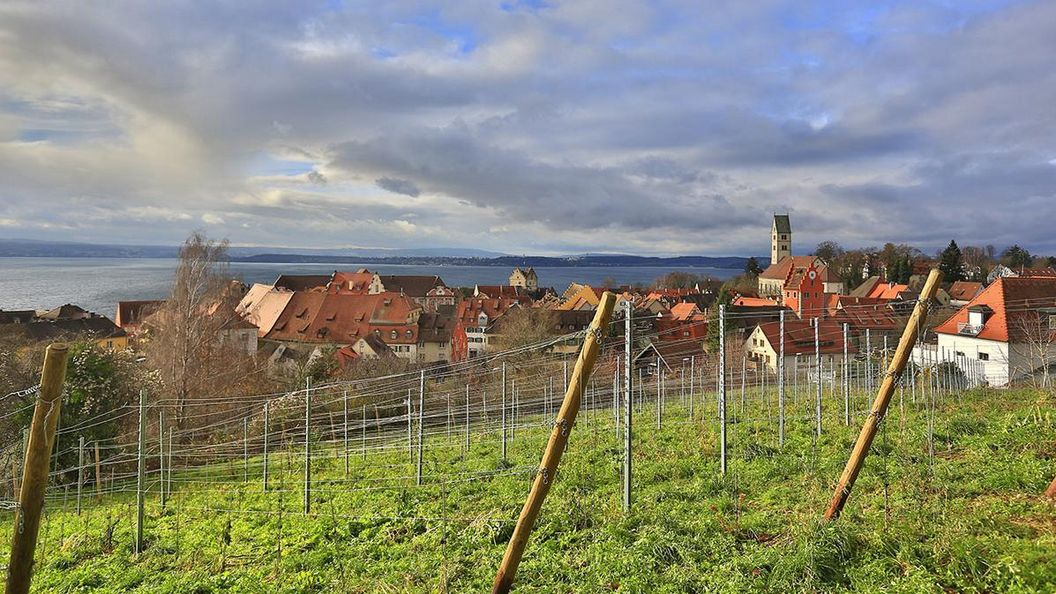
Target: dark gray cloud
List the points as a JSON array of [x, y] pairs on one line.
[[659, 128], [399, 186]]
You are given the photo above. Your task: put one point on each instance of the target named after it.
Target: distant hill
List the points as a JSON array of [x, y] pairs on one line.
[[28, 248]]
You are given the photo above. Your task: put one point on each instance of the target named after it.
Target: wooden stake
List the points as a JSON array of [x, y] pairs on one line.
[[35, 470], [566, 419], [883, 397], [1051, 491]]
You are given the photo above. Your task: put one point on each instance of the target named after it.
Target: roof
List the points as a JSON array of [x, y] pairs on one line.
[[799, 337], [357, 283], [20, 316], [888, 291], [867, 286], [686, 311], [838, 302], [342, 318], [782, 223], [1014, 301], [505, 291], [262, 305], [965, 290], [470, 309], [301, 282], [411, 285], [95, 327], [433, 327], [755, 302], [66, 312], [784, 267], [133, 312]]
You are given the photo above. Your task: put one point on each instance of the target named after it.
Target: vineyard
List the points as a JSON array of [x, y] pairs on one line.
[[413, 483]]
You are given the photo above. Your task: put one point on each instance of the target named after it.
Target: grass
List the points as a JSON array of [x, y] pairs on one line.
[[969, 519]]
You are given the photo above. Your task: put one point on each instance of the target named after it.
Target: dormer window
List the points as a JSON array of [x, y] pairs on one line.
[[978, 314]]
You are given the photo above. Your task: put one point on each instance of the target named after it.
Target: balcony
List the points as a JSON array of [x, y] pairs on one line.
[[969, 329]]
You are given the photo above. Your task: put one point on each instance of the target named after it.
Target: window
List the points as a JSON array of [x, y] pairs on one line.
[[395, 334], [984, 356]]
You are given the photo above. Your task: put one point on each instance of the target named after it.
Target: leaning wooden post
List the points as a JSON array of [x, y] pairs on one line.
[[35, 470], [883, 397], [1051, 491], [566, 419]]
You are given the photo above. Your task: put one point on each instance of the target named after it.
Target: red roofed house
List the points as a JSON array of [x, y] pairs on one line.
[[469, 338], [685, 322], [804, 292], [962, 292], [1006, 333], [130, 314], [764, 343]]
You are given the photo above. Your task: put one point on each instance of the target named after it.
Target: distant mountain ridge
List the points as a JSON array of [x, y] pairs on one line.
[[27, 248]]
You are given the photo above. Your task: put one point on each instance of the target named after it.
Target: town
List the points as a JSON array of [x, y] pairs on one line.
[[858, 300]]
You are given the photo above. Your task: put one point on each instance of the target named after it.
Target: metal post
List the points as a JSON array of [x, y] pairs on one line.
[[245, 450], [141, 471], [467, 417], [868, 360], [780, 381], [363, 429], [307, 446], [80, 472], [817, 370], [628, 340], [421, 422], [344, 412], [503, 410], [410, 429], [846, 380], [722, 388], [659, 395], [265, 480], [692, 377]]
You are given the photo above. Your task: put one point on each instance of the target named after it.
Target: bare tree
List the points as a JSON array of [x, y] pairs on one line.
[[185, 333], [1035, 343], [522, 326]]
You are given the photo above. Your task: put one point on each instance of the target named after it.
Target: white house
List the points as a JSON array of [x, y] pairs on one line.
[[1006, 333]]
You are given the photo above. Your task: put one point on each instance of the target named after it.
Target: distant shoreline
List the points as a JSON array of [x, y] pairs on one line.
[[617, 261]]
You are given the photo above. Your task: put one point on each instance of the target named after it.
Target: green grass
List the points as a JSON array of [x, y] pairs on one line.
[[971, 519]]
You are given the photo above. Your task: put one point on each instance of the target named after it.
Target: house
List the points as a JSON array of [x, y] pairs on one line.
[[742, 301], [763, 344], [685, 322], [502, 292], [130, 314], [787, 274], [1005, 333], [875, 287], [302, 282], [262, 305], [67, 323], [239, 333], [434, 336], [962, 292], [1002, 271], [473, 317], [804, 292], [21, 316], [525, 279]]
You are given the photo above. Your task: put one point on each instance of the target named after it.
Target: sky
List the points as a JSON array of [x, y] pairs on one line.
[[529, 126]]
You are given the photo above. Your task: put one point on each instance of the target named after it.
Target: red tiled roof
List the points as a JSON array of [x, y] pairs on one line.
[[469, 309], [342, 318], [799, 337], [754, 302], [965, 290], [686, 311], [1014, 301]]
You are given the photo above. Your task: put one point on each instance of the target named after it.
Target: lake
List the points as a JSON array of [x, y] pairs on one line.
[[97, 284]]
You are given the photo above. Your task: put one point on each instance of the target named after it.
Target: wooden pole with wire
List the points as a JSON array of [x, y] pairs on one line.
[[883, 397], [35, 469], [566, 419]]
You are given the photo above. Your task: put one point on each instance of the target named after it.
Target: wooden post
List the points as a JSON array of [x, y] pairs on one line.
[[1051, 491], [35, 470], [566, 419], [883, 397]]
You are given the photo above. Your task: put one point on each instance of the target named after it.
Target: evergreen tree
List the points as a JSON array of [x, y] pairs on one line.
[[1016, 257], [752, 266], [950, 261]]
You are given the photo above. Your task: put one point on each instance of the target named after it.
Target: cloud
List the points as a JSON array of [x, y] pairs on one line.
[[530, 126], [398, 186]]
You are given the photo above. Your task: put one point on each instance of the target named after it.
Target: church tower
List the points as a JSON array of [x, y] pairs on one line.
[[780, 238]]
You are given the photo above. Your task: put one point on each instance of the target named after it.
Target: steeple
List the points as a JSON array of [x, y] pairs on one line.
[[780, 238]]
